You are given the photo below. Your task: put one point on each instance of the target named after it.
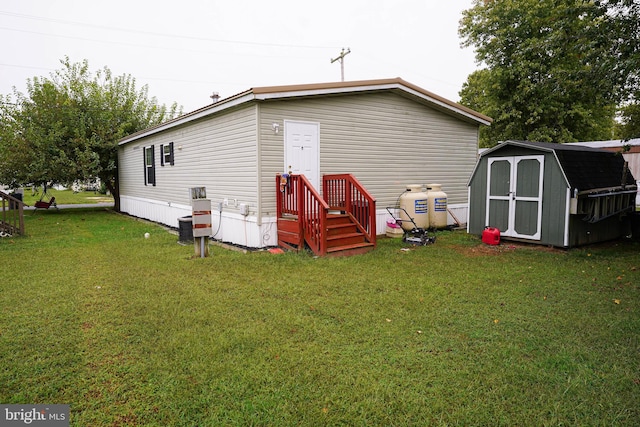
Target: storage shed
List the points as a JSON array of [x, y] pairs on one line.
[[560, 195]]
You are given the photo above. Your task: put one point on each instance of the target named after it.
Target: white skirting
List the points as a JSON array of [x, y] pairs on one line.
[[237, 229], [227, 227]]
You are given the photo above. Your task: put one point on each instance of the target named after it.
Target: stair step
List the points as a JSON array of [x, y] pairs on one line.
[[345, 228], [345, 239], [333, 219], [348, 250]]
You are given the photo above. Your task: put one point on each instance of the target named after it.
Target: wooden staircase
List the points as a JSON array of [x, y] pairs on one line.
[[344, 238], [341, 225]]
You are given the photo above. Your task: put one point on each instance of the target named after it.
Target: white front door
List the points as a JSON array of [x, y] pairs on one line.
[[514, 195], [302, 150]]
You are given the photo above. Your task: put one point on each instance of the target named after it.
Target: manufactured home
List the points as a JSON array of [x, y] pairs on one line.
[[560, 195], [382, 134]]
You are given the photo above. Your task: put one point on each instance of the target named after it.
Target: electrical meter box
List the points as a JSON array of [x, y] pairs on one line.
[[201, 212]]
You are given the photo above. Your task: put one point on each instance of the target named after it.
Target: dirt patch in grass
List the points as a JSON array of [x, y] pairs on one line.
[[489, 250], [483, 250]]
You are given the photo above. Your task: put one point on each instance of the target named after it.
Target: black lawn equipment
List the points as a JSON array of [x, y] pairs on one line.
[[416, 236]]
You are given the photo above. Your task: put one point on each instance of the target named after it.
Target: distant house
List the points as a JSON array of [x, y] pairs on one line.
[[386, 133], [560, 195]]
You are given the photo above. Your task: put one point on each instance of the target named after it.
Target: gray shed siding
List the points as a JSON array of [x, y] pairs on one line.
[[554, 203], [478, 198], [554, 193], [217, 152], [386, 140]]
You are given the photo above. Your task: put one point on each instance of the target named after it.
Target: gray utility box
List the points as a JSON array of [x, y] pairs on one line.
[[200, 212], [201, 217]]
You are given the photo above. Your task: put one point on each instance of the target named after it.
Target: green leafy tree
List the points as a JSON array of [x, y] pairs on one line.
[[623, 33], [67, 127], [629, 125], [553, 69], [624, 18]]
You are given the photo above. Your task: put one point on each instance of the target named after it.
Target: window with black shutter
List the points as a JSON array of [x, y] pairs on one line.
[[149, 166], [166, 156]]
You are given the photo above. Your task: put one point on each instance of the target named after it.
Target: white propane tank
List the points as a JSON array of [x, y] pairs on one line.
[[437, 206], [414, 201]]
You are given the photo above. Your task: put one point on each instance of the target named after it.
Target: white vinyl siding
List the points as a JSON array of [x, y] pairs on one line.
[[218, 153], [387, 141]]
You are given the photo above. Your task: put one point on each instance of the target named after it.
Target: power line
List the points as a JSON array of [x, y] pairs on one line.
[[152, 33], [26, 66], [147, 46], [166, 79], [158, 107]]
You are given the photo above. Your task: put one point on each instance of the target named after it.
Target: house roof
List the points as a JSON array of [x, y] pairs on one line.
[[396, 85], [585, 168], [633, 145]]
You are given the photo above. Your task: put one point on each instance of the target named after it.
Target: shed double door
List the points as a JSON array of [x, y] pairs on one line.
[[514, 195]]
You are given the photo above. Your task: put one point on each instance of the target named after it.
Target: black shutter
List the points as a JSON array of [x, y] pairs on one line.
[[161, 155], [144, 164], [152, 172], [171, 153]]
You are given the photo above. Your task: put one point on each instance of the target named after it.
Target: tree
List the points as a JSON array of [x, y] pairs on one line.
[[551, 72], [629, 125], [625, 22], [67, 127], [623, 33]]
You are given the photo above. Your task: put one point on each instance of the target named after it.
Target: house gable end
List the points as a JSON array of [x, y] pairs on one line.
[[301, 91]]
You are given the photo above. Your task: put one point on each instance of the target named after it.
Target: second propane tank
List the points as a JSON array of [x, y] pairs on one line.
[[437, 206], [415, 202]]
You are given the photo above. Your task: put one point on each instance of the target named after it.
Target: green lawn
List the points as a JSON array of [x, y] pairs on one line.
[[137, 332], [64, 197]]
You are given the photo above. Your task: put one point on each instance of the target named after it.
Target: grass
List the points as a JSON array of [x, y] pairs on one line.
[[65, 197], [134, 331]]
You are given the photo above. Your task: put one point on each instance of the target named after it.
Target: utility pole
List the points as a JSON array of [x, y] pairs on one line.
[[341, 59]]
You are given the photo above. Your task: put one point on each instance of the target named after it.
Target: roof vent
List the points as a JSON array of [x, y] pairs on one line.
[[215, 96]]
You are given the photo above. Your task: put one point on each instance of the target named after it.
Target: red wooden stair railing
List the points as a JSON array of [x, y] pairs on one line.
[[341, 223]]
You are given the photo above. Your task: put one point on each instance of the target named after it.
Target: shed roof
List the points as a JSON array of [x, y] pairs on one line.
[[585, 168], [396, 85]]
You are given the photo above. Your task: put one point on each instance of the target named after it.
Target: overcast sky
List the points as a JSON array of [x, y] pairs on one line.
[[185, 50]]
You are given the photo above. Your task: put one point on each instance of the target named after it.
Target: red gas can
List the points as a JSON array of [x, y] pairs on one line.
[[491, 236]]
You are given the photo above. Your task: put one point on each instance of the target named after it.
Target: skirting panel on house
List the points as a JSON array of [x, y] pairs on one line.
[[226, 227], [154, 210], [238, 229]]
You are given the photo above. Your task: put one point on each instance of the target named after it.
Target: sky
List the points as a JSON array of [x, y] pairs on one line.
[[183, 51]]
